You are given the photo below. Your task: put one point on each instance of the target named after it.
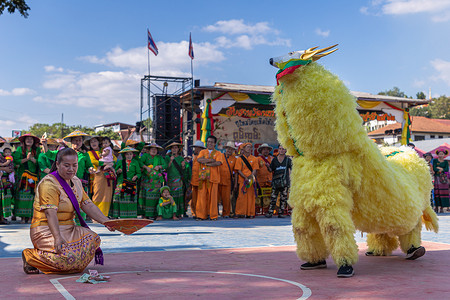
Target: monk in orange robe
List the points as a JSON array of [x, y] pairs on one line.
[[245, 204], [198, 146], [227, 178], [209, 177]]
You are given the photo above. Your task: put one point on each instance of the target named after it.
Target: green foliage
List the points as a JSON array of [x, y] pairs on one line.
[[147, 123], [440, 108], [421, 95], [60, 130], [395, 92], [109, 133], [421, 111], [12, 5]]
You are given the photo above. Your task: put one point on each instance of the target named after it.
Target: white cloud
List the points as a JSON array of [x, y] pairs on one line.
[[26, 119], [102, 91], [240, 35], [439, 10], [7, 123], [320, 32], [172, 60], [17, 92], [53, 69], [401, 7], [233, 27], [442, 67]]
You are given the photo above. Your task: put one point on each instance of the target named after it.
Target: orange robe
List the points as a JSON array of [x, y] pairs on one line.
[[194, 184], [263, 176], [245, 204], [226, 183], [208, 188]]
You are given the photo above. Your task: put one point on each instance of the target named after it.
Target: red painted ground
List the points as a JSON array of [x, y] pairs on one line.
[[157, 275]]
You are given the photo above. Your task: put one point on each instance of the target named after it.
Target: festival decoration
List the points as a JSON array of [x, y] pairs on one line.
[[207, 124]]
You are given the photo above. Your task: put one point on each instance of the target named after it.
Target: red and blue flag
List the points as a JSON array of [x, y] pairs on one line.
[[191, 48], [151, 44]]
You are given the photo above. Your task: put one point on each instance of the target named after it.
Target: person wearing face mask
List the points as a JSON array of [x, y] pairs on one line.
[[28, 173]]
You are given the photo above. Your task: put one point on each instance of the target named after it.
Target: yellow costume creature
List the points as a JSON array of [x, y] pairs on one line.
[[343, 181]]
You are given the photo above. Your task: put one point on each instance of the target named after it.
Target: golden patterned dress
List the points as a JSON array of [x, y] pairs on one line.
[[81, 242]]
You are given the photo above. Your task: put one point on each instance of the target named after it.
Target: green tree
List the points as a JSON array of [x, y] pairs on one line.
[[12, 5], [60, 130], [109, 133], [421, 95], [395, 92], [440, 108], [421, 111]]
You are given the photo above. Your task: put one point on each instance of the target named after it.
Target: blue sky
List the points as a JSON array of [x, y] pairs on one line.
[[86, 58]]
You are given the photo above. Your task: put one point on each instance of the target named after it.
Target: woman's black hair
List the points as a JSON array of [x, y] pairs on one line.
[[61, 153]]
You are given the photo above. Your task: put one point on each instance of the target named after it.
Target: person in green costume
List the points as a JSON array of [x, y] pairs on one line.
[[6, 186], [178, 174], [151, 181], [139, 146], [167, 209], [441, 180], [45, 163], [28, 174], [125, 198]]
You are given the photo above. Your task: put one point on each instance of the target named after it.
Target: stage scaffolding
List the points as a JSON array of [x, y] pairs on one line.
[[171, 88]]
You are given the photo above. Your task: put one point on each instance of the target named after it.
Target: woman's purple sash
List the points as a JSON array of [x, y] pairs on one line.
[[73, 199]]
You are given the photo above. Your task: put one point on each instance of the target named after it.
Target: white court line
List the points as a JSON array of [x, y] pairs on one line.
[[306, 292]]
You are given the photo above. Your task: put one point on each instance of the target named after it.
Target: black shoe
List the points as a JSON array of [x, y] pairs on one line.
[[268, 215], [345, 271], [281, 216], [370, 253], [311, 266], [415, 253]]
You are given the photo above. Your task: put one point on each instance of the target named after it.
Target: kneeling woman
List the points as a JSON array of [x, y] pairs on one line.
[[59, 245]]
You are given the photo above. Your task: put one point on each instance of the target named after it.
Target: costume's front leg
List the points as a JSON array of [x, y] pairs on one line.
[[310, 244], [333, 214]]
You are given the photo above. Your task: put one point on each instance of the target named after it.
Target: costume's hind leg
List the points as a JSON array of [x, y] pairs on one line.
[[381, 244], [412, 239], [310, 244]]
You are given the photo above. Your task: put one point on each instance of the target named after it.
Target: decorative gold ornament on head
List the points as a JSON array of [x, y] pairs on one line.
[[313, 54], [287, 64]]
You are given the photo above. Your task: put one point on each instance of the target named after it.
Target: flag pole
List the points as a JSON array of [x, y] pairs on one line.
[[148, 91], [192, 88], [148, 55]]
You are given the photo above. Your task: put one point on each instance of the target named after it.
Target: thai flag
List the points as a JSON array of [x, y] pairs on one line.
[[151, 44], [191, 48]]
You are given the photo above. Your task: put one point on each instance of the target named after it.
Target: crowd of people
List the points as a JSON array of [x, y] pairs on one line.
[[145, 180]]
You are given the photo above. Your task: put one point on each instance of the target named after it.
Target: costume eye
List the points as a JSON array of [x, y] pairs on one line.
[[290, 53]]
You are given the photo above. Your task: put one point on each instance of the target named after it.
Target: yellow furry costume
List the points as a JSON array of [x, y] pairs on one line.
[[341, 181]]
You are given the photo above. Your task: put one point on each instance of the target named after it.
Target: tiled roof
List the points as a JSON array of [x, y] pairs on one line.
[[419, 124]]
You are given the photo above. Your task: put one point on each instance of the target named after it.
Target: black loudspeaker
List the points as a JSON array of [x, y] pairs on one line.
[[166, 116]]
